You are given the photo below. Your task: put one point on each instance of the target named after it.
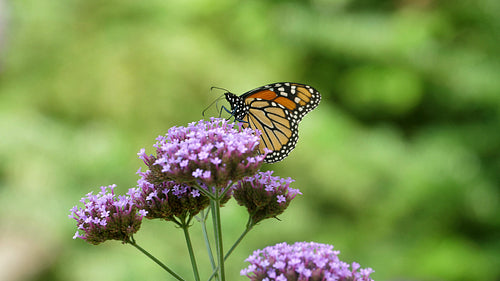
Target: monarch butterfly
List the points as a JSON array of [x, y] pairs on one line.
[[275, 110]]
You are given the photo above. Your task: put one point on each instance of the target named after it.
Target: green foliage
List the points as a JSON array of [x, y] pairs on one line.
[[399, 165]]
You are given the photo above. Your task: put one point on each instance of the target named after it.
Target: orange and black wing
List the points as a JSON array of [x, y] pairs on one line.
[[275, 110]]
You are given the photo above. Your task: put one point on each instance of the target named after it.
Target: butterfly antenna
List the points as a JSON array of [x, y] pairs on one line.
[[212, 103], [218, 88]]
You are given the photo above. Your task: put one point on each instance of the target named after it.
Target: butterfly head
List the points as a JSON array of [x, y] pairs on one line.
[[232, 99], [238, 107]]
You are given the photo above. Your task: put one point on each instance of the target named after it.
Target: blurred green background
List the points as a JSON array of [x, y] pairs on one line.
[[399, 165]]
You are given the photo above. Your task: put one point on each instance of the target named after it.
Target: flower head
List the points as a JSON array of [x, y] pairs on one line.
[[264, 195], [107, 217], [214, 153], [168, 200], [302, 261]]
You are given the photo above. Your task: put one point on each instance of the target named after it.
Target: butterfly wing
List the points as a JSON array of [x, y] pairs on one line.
[[276, 110]]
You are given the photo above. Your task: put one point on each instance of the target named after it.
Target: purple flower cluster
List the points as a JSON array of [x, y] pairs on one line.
[[107, 217], [264, 195], [302, 261], [168, 200], [214, 153]]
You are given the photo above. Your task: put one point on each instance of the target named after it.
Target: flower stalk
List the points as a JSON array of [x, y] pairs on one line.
[[248, 227], [153, 258], [192, 257], [220, 244]]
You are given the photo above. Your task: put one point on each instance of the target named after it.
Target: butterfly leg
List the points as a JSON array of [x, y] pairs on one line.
[[230, 112], [227, 110]]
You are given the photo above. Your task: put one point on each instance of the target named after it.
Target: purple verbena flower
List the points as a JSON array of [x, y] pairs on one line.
[[107, 217], [264, 196], [168, 200], [214, 153], [302, 261]]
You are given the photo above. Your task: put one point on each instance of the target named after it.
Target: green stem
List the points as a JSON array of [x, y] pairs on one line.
[[207, 240], [215, 205], [226, 190], [216, 236], [220, 248], [205, 192], [249, 227], [214, 225], [133, 243], [185, 227]]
